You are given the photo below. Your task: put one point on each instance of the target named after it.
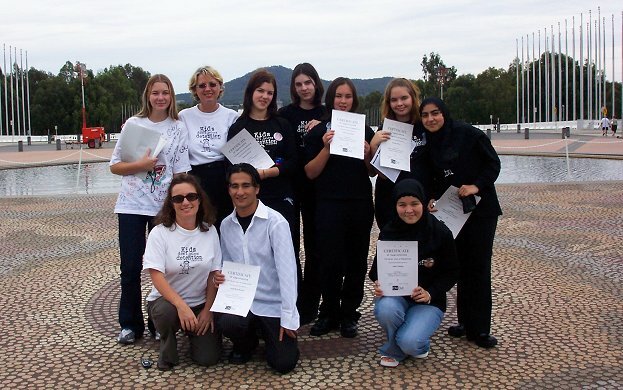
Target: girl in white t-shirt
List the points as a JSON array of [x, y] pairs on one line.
[[183, 256], [143, 189]]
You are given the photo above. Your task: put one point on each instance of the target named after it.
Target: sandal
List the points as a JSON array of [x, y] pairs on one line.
[[387, 361]]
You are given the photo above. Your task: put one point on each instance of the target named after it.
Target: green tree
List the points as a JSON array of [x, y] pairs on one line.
[[434, 69]]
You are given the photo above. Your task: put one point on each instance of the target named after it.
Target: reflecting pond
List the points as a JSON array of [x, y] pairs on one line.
[[96, 178]]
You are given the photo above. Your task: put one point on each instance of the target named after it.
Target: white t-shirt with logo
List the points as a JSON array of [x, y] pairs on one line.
[[144, 195], [185, 257], [207, 132]]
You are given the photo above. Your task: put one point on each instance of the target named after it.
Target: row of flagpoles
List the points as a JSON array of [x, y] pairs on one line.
[[15, 120], [591, 42]]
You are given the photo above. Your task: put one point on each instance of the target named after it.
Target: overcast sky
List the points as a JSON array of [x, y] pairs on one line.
[[357, 39]]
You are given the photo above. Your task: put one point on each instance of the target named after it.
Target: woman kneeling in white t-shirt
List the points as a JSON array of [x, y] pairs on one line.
[[183, 255]]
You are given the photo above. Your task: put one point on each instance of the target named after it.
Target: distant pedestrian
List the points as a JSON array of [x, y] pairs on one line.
[[605, 125], [614, 126]]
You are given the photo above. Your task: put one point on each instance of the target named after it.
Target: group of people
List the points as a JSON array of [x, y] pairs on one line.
[[608, 124], [200, 210]]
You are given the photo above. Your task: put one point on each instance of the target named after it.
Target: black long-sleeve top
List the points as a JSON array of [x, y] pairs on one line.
[[342, 177], [462, 154], [277, 138]]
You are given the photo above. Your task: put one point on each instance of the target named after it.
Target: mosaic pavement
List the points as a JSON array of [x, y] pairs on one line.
[[558, 306]]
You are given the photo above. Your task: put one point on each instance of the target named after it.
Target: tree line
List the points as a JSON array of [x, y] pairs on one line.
[[113, 94]]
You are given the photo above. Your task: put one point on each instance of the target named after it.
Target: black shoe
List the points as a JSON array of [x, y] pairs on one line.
[[348, 329], [456, 330], [239, 358], [323, 326], [164, 366], [485, 340]]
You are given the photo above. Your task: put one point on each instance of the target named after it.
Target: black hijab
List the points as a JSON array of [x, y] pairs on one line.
[[399, 230], [442, 146]]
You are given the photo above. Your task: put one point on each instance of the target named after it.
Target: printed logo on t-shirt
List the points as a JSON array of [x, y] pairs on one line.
[[154, 178], [206, 136], [187, 256], [265, 138]]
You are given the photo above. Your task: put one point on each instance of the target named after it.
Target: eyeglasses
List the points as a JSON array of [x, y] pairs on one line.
[[211, 84], [192, 196]]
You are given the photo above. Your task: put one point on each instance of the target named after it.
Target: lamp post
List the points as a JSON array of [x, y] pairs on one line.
[[442, 72]]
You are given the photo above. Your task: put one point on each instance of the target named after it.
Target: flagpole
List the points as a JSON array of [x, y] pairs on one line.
[[523, 99], [12, 100], [589, 74], [581, 67], [553, 75], [527, 81], [533, 84], [19, 122], [21, 65], [560, 108], [517, 79], [540, 82], [573, 83], [546, 57], [28, 96], [6, 96], [604, 73], [566, 72]]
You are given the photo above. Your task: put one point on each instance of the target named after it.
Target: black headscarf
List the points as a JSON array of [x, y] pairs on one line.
[[399, 230], [442, 147]]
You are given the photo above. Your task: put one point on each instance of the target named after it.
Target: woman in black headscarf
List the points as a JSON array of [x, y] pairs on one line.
[[409, 321], [462, 156]]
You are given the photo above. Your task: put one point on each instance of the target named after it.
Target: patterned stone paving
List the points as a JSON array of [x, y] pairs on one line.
[[558, 306]]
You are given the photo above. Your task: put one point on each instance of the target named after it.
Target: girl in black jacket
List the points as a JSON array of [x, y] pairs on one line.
[[409, 321], [462, 156]]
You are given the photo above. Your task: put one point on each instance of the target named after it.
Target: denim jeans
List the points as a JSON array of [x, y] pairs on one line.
[[408, 326], [132, 241]]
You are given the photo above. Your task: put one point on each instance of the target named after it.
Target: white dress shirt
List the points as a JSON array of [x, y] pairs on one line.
[[267, 243]]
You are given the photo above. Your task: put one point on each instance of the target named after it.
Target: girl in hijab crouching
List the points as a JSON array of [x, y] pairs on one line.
[[409, 321]]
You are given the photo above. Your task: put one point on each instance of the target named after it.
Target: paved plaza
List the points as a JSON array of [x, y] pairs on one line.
[[557, 293]]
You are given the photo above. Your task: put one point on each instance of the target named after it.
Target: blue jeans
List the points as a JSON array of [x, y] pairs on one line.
[[132, 241], [408, 326]]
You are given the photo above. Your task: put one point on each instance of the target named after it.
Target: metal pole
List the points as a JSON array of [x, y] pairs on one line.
[[517, 77], [589, 73], [527, 81], [598, 79], [559, 75], [603, 74], [573, 56], [533, 84], [19, 122], [12, 101], [581, 67], [540, 83], [546, 57], [523, 99], [596, 84], [566, 72], [21, 65], [28, 95], [6, 96], [553, 75]]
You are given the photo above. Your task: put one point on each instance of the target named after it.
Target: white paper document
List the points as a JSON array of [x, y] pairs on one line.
[[236, 294], [450, 210], [350, 134], [396, 151], [135, 140], [243, 148], [390, 173], [397, 267]]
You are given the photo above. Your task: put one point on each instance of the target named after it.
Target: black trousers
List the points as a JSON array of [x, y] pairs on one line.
[[383, 204], [242, 331], [212, 179], [310, 290], [343, 240], [474, 247]]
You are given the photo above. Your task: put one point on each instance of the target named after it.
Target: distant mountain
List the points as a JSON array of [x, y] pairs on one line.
[[234, 89]]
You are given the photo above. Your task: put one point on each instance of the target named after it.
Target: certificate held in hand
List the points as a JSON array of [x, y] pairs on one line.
[[236, 294], [350, 133], [397, 267]]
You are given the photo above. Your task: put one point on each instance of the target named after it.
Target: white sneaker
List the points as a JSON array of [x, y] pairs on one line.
[[126, 336], [422, 355]]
